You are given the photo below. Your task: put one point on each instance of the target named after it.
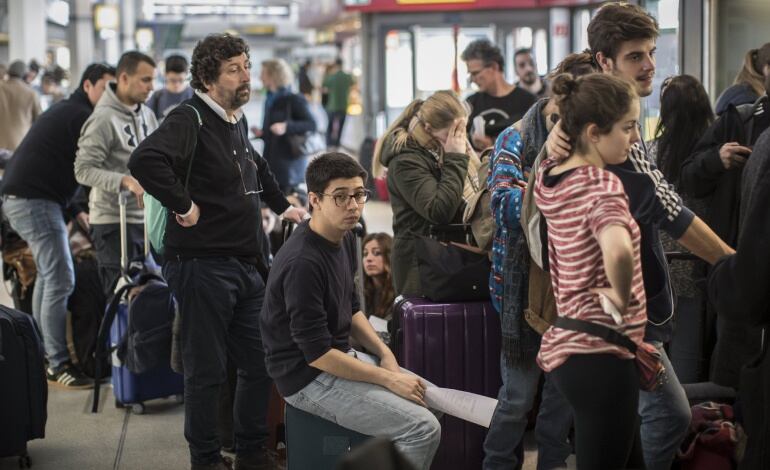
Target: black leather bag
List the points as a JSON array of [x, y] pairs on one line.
[[449, 273]]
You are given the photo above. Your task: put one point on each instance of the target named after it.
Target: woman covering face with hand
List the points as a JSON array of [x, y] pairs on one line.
[[431, 170]]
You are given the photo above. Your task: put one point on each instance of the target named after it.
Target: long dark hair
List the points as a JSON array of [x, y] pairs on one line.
[[685, 114], [379, 302]]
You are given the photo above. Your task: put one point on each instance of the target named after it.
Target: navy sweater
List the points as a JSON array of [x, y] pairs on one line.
[[310, 300], [225, 168], [42, 165]]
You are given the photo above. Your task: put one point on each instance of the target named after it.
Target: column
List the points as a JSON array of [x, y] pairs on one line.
[[27, 30], [560, 34], [81, 38], [127, 25]]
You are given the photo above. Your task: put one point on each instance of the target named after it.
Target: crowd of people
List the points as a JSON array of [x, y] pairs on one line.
[[584, 294]]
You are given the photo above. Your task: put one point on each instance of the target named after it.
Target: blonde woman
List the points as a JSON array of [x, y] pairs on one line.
[[430, 168], [286, 114]]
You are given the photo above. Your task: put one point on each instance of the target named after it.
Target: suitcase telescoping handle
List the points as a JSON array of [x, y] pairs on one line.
[[359, 232], [124, 261]]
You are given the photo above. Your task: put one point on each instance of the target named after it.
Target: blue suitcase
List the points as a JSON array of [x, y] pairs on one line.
[[133, 389]]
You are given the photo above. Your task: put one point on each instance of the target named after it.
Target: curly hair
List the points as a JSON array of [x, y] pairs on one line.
[[209, 54], [616, 23]]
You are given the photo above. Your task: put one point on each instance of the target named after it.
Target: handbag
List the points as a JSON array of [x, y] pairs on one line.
[[306, 144], [449, 273], [648, 360]]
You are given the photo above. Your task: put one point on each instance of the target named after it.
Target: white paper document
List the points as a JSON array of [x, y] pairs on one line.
[[379, 324], [470, 407]]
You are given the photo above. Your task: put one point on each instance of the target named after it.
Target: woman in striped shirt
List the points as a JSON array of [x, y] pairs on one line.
[[593, 247]]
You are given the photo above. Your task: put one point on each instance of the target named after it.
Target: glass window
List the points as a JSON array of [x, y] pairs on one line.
[[667, 58], [741, 25], [580, 20], [398, 72], [525, 37]]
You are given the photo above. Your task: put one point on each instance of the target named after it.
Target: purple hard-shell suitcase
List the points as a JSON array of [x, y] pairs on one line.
[[454, 345]]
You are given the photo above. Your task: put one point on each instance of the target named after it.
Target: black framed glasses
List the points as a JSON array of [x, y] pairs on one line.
[[248, 192], [343, 200]]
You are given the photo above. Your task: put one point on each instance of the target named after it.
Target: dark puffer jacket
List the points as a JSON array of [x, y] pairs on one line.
[[422, 193]]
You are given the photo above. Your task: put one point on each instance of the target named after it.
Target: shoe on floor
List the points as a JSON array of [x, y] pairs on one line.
[[69, 377], [260, 460], [225, 464]]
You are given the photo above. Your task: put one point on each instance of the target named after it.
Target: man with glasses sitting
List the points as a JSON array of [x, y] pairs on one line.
[[497, 104], [214, 262], [307, 336]]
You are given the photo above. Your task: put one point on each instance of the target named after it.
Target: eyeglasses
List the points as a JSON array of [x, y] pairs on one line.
[[343, 200], [247, 192], [473, 73]]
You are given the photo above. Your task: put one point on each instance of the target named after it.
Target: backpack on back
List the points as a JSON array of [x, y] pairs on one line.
[[478, 211], [155, 214], [541, 306]]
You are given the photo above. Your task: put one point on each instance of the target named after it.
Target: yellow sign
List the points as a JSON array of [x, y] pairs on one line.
[[429, 2], [259, 30]]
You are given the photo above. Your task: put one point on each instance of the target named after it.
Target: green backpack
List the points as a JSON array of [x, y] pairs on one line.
[[155, 214]]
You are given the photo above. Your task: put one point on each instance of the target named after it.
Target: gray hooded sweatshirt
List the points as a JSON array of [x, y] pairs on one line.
[[107, 139]]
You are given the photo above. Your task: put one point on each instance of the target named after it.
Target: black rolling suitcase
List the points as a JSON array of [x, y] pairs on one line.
[[23, 387]]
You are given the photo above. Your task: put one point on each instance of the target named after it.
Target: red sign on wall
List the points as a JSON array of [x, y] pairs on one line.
[[395, 6]]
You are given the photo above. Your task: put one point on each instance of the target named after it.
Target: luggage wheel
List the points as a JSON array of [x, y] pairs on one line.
[[24, 461], [119, 404], [179, 398], [137, 408]]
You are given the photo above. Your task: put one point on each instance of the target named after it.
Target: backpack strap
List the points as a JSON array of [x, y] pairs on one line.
[[195, 144], [595, 329], [101, 339]]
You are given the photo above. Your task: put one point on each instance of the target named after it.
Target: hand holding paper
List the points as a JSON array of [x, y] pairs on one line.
[[470, 407]]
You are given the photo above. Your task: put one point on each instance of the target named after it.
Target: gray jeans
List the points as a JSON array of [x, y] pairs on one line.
[[374, 411]]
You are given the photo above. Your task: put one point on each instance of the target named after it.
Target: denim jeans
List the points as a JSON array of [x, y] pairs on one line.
[[666, 416], [41, 224], [373, 410], [219, 302], [509, 422]]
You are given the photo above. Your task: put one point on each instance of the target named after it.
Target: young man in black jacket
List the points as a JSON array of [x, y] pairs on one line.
[[212, 246], [38, 185]]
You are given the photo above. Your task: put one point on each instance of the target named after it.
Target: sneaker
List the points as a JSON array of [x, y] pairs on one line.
[[69, 377]]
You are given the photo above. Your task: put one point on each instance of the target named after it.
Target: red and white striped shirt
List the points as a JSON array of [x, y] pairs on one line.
[[577, 208]]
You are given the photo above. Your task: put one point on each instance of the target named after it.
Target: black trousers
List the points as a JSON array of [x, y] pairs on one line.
[[334, 131], [603, 390], [106, 241], [219, 302]]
